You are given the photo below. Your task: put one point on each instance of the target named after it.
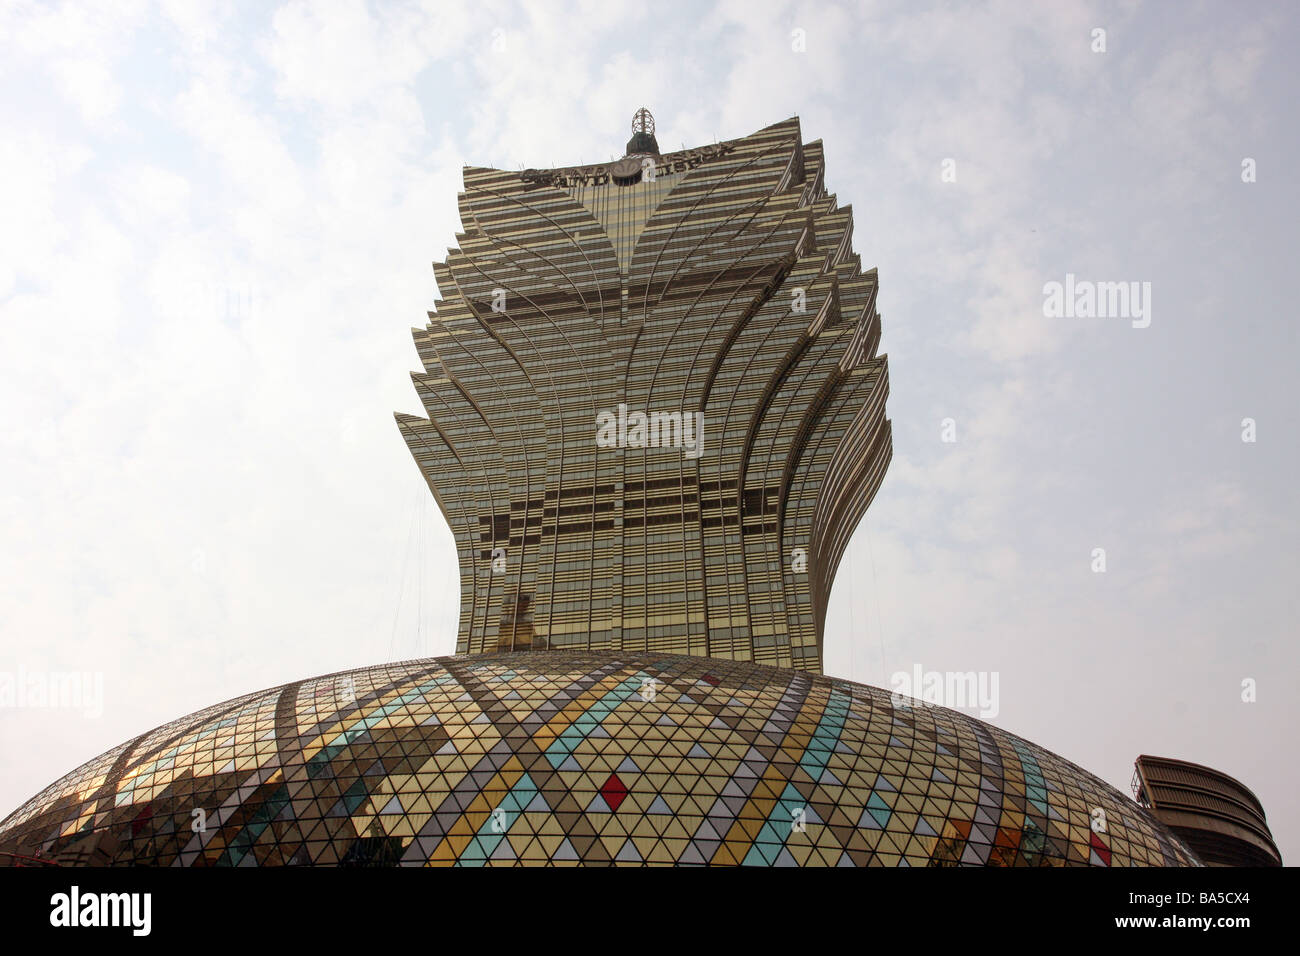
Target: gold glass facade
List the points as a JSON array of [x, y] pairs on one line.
[[715, 293]]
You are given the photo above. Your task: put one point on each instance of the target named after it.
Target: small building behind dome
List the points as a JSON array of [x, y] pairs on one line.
[[1217, 816]]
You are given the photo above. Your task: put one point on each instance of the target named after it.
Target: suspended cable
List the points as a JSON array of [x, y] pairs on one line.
[[401, 586]]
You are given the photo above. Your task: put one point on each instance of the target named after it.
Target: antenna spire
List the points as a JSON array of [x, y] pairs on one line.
[[643, 140]]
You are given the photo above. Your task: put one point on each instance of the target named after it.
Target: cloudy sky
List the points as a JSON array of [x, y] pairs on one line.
[[216, 231]]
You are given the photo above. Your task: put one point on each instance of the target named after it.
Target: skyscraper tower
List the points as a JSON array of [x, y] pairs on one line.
[[655, 406]]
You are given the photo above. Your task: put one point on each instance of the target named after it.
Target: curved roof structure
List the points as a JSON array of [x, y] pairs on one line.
[[576, 757]]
